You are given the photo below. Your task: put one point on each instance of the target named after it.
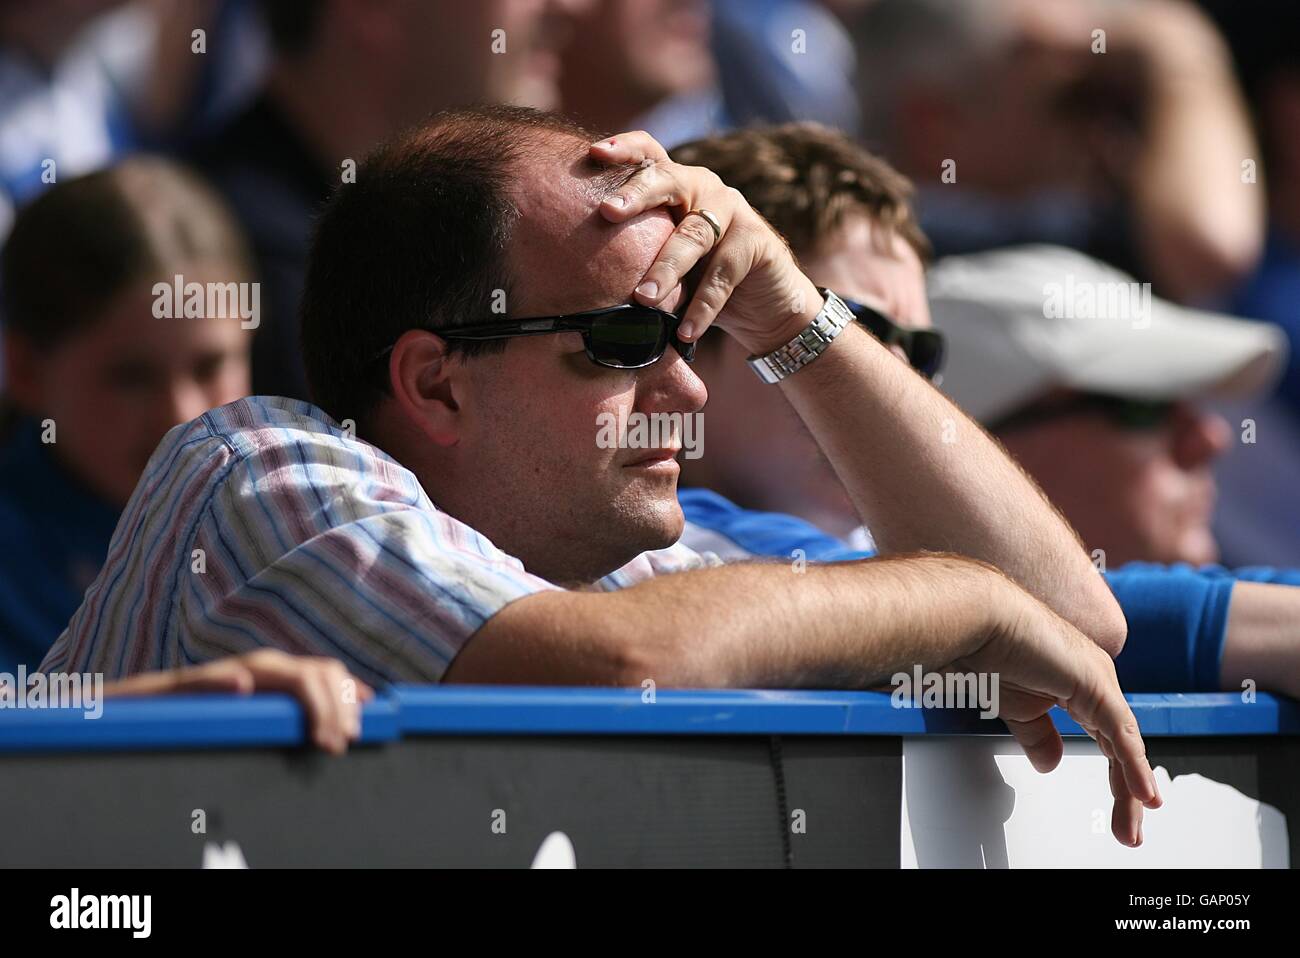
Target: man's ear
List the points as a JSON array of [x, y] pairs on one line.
[[22, 372], [425, 382]]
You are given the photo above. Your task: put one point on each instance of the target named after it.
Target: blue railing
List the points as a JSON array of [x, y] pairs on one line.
[[271, 720]]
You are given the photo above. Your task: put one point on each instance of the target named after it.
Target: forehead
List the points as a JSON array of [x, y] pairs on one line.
[[564, 256], [127, 326]]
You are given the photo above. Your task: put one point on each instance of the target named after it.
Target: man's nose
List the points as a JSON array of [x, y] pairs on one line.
[[671, 385], [1200, 437]]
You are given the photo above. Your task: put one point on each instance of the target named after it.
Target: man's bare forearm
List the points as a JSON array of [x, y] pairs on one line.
[[1197, 138], [1263, 640], [923, 475], [842, 625], [847, 625]]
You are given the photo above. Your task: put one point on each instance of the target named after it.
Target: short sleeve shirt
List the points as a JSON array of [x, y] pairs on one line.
[[264, 523]]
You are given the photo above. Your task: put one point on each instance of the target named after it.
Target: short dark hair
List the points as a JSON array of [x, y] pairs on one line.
[[806, 179], [417, 242], [86, 240]]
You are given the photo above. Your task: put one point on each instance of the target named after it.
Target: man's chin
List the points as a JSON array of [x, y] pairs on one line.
[[665, 529], [657, 526]]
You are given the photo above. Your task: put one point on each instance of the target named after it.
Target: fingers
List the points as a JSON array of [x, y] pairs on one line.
[[660, 183], [1098, 705], [1100, 708], [692, 241], [726, 269], [331, 697], [223, 675], [1040, 740], [1044, 748], [647, 189], [1109, 714], [329, 724], [1126, 816], [637, 146]]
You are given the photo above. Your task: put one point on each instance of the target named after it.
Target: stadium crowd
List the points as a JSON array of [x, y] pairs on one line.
[[311, 313]]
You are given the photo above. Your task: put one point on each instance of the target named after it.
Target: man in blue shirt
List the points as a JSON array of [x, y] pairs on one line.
[[846, 214]]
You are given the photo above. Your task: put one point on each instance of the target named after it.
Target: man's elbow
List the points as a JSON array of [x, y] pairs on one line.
[[1109, 627]]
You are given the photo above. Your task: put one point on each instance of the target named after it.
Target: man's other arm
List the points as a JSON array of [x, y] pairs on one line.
[[843, 625]]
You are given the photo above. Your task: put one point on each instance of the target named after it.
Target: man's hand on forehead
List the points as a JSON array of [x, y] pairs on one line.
[[605, 180], [745, 266]]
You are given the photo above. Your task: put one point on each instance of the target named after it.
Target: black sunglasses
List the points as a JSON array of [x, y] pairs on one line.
[[1134, 415], [924, 348], [626, 336]]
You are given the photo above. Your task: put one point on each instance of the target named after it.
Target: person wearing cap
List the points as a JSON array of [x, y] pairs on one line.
[[847, 216], [1068, 361]]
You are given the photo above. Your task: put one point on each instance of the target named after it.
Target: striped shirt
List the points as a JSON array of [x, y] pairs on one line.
[[264, 523]]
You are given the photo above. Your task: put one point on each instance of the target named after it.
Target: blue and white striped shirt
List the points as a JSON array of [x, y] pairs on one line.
[[263, 523]]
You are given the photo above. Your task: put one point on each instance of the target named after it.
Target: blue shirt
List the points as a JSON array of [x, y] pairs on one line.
[[54, 534], [1177, 615]]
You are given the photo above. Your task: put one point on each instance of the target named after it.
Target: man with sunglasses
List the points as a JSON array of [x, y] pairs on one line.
[[763, 488], [445, 513]]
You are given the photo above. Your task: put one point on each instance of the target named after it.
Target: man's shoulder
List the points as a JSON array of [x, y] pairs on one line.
[[260, 436], [259, 425], [228, 498]]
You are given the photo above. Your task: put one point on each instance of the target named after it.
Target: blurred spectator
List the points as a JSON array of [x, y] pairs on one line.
[[63, 93], [95, 377], [1115, 128], [631, 56], [782, 60], [1267, 48], [650, 64], [346, 75], [1093, 387], [1265, 39], [84, 81], [212, 86]]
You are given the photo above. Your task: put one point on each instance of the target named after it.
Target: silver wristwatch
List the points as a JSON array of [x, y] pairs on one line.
[[808, 345]]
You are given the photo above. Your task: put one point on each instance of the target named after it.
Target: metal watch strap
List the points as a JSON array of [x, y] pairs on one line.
[[811, 342]]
